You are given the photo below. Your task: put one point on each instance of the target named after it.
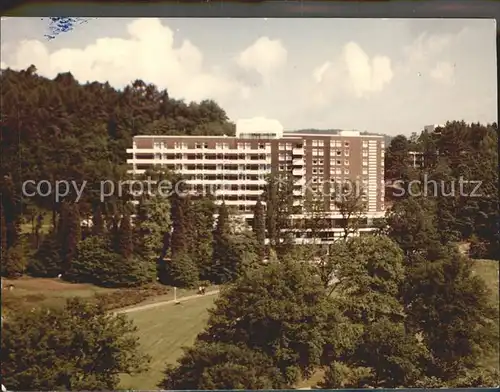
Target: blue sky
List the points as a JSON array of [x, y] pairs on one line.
[[381, 75]]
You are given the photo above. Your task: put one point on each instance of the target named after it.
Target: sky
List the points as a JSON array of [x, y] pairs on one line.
[[391, 76]]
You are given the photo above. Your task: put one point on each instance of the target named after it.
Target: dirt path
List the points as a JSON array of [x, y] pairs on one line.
[[157, 304]]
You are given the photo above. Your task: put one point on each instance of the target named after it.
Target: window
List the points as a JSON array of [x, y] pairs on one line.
[[346, 153], [262, 146], [314, 171], [315, 162], [282, 147], [365, 171], [332, 163], [338, 143], [346, 162], [339, 162], [346, 171], [321, 161], [365, 143], [346, 144], [321, 143], [320, 171], [365, 163], [339, 152], [338, 171], [197, 145], [289, 146], [365, 153]]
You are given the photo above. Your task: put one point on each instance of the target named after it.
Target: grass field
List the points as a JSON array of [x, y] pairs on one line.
[[44, 292], [163, 332]]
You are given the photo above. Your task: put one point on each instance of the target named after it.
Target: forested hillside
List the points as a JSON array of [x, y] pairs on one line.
[[62, 130]]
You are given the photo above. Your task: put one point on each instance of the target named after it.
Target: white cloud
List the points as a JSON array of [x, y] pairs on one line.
[[264, 56], [258, 124], [426, 46], [149, 53], [443, 72], [366, 75], [353, 72]]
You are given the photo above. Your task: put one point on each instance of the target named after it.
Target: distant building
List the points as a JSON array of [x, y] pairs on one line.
[[234, 169]]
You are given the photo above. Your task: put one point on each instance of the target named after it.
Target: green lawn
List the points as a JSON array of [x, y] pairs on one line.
[[163, 331], [33, 292]]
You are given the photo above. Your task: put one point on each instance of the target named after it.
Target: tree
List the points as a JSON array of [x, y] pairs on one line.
[[397, 157], [203, 223], [239, 255], [153, 221], [412, 225], [78, 347], [351, 204], [14, 262], [259, 228], [181, 271], [339, 375], [96, 263], [280, 206], [221, 246], [179, 243], [280, 310], [125, 238], [369, 279], [47, 259], [396, 358], [97, 222], [450, 308], [208, 366], [69, 232]]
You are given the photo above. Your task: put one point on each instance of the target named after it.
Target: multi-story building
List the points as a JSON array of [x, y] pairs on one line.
[[234, 169]]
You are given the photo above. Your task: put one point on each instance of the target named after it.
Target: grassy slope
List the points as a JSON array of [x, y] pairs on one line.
[[44, 292], [163, 332]]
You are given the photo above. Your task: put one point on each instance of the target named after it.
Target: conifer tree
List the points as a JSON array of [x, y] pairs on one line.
[[69, 229], [204, 225], [179, 238], [221, 247], [259, 228], [125, 243], [97, 222]]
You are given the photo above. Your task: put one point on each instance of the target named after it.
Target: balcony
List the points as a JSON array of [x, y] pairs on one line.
[[298, 162], [298, 172], [298, 151]]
